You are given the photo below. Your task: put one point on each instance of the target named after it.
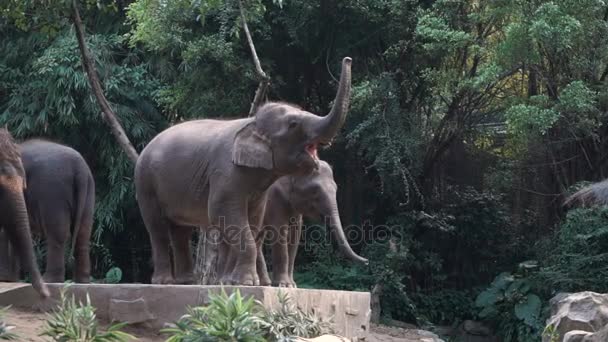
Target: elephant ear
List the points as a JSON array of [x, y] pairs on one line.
[[252, 149]]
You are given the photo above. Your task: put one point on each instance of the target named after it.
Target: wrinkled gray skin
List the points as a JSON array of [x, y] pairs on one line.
[[60, 200], [290, 199], [13, 210], [213, 173]]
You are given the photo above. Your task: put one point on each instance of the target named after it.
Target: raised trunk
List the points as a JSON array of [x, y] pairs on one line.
[[328, 127], [338, 233], [18, 230]]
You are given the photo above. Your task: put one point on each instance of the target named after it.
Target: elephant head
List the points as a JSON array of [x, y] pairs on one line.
[[13, 211], [285, 138], [314, 196]]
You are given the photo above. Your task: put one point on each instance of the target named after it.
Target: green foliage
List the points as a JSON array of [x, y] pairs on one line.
[[5, 329], [226, 318], [113, 276], [576, 257], [512, 306], [289, 320], [234, 318], [78, 322]]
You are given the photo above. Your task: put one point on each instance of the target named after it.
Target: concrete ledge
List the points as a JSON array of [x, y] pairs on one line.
[[156, 305]]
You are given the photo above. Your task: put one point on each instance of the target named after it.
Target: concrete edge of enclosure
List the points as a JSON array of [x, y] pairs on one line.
[[154, 306]]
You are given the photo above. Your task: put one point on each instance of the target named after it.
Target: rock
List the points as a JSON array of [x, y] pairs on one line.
[[402, 325], [600, 336], [324, 338], [476, 328], [576, 336], [582, 311]]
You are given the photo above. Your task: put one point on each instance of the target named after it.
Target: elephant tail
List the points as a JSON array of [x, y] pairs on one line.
[[85, 201]]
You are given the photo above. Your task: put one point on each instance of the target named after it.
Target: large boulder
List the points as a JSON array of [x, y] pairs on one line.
[[578, 316]]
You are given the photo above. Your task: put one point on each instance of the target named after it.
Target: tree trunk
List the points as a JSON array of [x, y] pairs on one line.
[[107, 113], [206, 265]]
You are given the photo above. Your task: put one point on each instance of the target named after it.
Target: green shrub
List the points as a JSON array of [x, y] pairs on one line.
[[73, 322], [511, 305], [226, 318], [576, 258], [289, 320], [234, 318], [5, 330]]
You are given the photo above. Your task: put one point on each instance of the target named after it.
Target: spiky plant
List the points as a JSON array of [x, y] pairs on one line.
[[289, 320], [226, 319], [5, 329], [75, 322]]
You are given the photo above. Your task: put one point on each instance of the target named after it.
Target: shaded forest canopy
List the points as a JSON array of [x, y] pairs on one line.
[[470, 122]]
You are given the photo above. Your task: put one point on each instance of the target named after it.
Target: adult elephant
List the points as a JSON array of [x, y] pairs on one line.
[[214, 173], [289, 199], [13, 210], [60, 200]]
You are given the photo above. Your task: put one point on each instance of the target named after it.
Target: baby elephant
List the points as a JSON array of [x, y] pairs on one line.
[[60, 198], [288, 200], [13, 211]]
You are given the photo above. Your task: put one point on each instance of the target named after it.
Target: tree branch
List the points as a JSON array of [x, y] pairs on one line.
[[107, 113], [264, 79]]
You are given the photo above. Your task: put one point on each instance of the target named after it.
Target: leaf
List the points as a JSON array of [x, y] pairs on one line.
[[488, 298], [528, 310], [502, 281], [113, 276]]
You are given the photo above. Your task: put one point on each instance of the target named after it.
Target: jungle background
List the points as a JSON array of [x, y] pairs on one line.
[[470, 123]]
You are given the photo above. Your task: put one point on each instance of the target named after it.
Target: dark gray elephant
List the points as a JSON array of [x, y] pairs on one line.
[[215, 173], [13, 210], [290, 199], [60, 200]]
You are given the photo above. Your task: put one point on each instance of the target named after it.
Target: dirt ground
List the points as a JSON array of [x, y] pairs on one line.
[[29, 325]]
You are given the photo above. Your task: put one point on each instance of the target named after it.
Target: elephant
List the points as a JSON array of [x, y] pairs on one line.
[[289, 199], [13, 210], [60, 199], [213, 174]]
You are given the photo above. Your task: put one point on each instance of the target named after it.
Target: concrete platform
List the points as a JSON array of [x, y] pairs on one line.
[[157, 305]]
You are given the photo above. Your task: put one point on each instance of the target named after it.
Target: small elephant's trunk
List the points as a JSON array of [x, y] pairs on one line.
[[18, 228], [338, 233]]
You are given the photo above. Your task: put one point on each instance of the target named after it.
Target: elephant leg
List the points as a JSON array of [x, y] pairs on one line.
[[56, 229], [228, 268], [82, 269], [55, 261], [158, 230], [280, 258], [231, 217], [182, 255], [9, 267], [295, 233], [261, 268]]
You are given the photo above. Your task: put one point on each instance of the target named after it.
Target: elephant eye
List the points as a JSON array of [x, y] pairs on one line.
[[293, 124]]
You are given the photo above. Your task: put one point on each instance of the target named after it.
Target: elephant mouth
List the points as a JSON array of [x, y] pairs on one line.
[[311, 149]]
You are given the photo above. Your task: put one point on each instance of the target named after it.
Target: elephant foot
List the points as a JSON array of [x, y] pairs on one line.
[[162, 279], [244, 278], [53, 278], [82, 279], [186, 279], [265, 281], [282, 281]]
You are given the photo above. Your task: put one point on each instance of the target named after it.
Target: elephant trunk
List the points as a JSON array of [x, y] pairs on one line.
[[338, 233], [19, 229], [328, 126]]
